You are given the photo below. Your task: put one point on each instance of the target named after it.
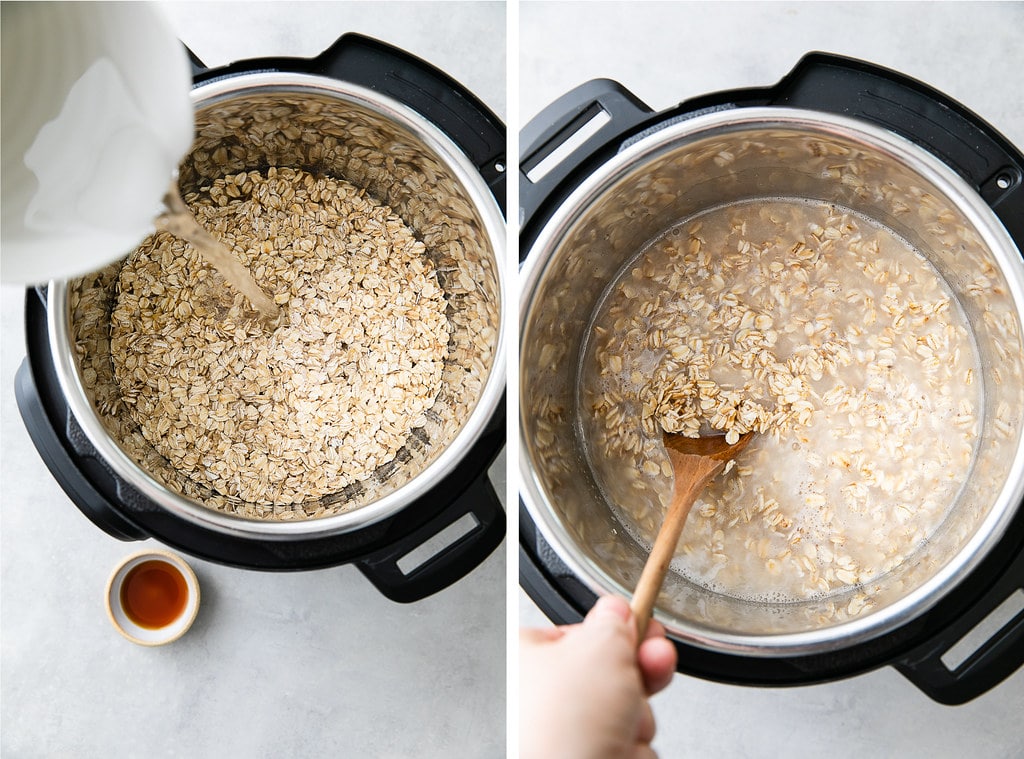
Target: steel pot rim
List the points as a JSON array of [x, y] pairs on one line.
[[633, 159], [443, 464]]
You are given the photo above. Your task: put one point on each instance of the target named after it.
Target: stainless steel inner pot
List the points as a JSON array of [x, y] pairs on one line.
[[324, 126], [742, 155]]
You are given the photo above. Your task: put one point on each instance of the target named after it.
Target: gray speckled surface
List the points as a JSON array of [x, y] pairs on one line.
[[277, 665], [668, 52]]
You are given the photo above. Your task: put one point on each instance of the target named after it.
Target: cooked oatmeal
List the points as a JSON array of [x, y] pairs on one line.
[[824, 333]]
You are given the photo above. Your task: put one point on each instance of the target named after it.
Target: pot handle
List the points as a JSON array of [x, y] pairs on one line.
[[469, 530], [992, 662], [427, 90], [597, 112], [919, 113]]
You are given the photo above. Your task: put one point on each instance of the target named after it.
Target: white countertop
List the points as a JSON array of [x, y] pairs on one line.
[[277, 665], [668, 52]]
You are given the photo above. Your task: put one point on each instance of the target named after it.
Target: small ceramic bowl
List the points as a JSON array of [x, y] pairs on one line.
[[162, 587]]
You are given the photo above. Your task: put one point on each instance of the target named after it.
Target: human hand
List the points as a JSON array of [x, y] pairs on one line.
[[583, 688]]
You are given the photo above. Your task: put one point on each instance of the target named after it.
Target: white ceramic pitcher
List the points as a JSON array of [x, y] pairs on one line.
[[95, 118]]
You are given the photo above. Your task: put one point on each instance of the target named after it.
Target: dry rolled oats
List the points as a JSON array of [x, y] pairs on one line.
[[318, 401]]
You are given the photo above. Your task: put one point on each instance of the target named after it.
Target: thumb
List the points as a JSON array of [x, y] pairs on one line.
[[610, 615], [608, 610]]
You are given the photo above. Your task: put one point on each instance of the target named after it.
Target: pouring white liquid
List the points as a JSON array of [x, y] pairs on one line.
[[180, 222], [96, 116]]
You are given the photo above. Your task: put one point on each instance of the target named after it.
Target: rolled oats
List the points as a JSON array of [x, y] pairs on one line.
[[317, 402], [831, 338]]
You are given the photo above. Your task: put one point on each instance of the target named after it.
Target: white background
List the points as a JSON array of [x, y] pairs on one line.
[[668, 52]]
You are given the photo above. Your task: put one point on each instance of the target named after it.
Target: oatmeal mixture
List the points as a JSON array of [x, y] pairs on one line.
[[824, 333], [299, 409]]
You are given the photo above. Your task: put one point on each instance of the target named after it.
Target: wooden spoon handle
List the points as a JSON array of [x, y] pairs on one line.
[[687, 489]]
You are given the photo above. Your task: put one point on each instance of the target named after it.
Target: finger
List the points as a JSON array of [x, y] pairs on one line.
[[538, 635], [646, 727], [606, 627], [643, 751], [657, 660], [608, 608], [655, 629]]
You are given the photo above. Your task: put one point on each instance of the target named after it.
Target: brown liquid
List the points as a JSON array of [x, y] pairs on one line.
[[154, 594], [180, 222]]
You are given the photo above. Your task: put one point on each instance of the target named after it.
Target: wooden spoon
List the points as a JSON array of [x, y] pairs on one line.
[[696, 461]]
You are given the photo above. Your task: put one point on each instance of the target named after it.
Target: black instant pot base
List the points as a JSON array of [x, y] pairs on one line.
[[123, 512], [913, 648]]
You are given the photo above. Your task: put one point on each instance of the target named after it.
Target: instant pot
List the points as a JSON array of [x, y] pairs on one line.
[[601, 175], [416, 140]]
